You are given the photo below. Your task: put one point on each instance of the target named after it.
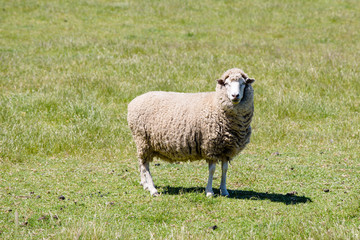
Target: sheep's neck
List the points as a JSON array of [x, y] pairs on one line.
[[227, 108]]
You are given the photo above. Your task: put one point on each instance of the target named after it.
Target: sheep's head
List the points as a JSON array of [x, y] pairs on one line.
[[235, 81]]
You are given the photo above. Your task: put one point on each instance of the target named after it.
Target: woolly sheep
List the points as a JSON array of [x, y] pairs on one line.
[[214, 126]]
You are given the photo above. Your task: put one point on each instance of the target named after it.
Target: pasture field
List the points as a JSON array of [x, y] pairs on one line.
[[68, 166]]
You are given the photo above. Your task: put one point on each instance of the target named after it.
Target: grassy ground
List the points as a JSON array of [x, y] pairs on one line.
[[68, 166]]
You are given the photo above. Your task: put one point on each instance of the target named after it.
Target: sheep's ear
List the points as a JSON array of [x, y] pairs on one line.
[[221, 82], [249, 81]]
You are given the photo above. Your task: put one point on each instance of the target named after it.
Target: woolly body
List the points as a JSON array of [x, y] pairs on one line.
[[191, 126]]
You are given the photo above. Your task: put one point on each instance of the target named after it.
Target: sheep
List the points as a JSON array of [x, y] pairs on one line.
[[176, 127]]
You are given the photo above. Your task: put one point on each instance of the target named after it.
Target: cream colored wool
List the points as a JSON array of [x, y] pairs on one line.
[[191, 126]]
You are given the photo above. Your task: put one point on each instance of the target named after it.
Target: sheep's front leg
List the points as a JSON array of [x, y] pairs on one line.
[[146, 179], [208, 190], [224, 168]]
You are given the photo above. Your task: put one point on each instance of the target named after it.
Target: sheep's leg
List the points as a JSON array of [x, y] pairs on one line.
[[209, 191], [146, 179], [142, 175], [224, 168]]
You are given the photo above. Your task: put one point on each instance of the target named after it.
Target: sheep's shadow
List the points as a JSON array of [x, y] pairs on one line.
[[240, 194]]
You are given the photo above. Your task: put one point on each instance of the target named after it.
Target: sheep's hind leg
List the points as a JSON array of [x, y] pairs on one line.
[[146, 179], [209, 191], [142, 175], [224, 168]]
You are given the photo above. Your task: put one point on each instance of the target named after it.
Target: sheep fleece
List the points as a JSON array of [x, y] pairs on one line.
[[190, 126]]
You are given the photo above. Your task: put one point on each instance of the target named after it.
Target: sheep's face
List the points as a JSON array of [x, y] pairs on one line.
[[235, 86]]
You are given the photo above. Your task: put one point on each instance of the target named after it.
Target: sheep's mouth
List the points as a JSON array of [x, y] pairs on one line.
[[235, 101]]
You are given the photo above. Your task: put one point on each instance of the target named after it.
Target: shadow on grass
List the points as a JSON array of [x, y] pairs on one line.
[[239, 194]]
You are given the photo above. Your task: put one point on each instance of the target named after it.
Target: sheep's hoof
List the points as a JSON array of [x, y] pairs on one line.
[[224, 193], [156, 194], [209, 194]]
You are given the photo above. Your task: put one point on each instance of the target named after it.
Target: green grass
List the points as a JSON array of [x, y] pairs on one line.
[[68, 69]]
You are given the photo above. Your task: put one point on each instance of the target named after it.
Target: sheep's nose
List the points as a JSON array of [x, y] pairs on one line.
[[235, 95]]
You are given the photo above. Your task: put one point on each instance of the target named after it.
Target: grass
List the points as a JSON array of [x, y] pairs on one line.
[[68, 70]]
